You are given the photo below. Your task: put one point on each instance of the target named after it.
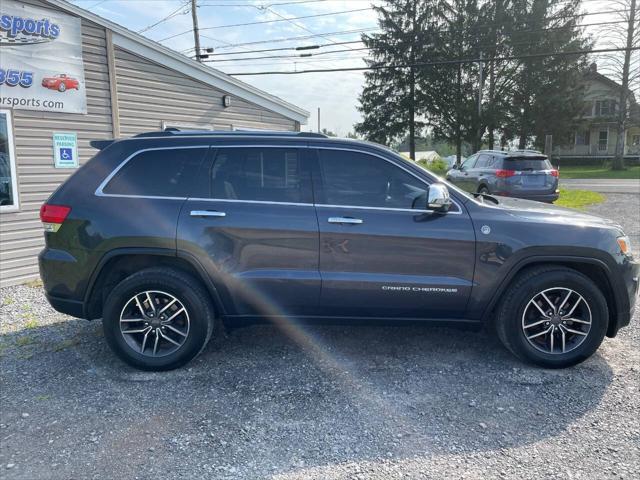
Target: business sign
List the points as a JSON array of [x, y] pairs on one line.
[[40, 59], [65, 149]]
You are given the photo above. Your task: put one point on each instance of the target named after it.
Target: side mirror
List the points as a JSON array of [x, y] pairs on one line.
[[438, 199]]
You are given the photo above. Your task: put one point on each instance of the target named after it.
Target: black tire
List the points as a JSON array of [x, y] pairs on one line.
[[62, 87], [187, 290], [509, 319]]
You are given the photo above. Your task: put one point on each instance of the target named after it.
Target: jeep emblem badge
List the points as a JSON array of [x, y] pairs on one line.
[[486, 229]]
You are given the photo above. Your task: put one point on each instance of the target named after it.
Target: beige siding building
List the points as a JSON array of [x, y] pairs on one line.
[[132, 85], [597, 134]]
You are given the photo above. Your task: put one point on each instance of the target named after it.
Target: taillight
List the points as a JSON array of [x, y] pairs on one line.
[[505, 173], [555, 173], [52, 216]]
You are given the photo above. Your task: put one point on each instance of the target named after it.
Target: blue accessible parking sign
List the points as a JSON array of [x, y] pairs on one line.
[[65, 149]]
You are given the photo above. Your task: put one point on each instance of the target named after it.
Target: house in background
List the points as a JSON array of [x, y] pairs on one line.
[[596, 137]]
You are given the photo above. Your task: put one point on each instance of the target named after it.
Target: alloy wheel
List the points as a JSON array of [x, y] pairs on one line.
[[154, 323], [556, 320]]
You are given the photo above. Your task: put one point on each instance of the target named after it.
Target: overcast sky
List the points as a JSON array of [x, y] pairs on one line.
[[335, 93]]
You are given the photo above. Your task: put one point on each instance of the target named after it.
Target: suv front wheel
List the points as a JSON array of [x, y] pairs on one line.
[[554, 317], [158, 319]]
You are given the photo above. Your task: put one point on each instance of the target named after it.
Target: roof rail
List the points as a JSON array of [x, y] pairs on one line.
[[525, 150], [172, 131]]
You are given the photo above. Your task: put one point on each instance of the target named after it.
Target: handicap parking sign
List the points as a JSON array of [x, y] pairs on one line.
[[65, 149], [66, 154]]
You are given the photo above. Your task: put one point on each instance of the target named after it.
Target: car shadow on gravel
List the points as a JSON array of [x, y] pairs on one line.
[[281, 399]]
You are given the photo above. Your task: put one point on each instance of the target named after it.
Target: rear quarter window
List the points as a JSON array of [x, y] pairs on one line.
[[158, 173], [527, 164]]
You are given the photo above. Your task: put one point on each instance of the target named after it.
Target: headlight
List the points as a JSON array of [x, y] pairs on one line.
[[625, 245]]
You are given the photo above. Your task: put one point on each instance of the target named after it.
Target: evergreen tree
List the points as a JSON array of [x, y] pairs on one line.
[[547, 96], [390, 99], [449, 91]]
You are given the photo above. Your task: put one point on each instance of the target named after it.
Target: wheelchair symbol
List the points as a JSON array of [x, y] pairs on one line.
[[66, 154]]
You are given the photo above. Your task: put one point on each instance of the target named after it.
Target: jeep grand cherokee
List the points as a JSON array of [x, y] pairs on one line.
[[168, 234]]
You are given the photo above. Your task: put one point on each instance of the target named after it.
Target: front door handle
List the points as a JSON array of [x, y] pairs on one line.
[[349, 220], [207, 213]]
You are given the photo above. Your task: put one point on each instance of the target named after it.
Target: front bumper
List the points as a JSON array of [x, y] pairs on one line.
[[631, 279]]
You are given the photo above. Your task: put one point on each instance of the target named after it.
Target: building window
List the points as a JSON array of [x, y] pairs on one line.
[[605, 108], [603, 140], [635, 140], [582, 138], [8, 177]]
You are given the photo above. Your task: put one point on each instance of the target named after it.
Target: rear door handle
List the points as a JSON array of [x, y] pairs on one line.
[[207, 213], [349, 220]]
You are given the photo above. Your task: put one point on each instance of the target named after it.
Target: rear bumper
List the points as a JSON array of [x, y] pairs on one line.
[[64, 305], [545, 197], [63, 281]]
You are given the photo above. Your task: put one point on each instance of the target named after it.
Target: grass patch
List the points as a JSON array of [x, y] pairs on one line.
[[36, 283], [31, 324], [599, 172], [579, 199], [70, 342], [24, 341], [437, 167]]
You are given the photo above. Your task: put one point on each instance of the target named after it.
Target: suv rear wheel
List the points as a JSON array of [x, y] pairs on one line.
[[158, 319], [554, 317]]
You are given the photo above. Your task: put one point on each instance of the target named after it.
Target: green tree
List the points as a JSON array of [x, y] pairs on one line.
[[449, 91], [390, 99], [547, 94]]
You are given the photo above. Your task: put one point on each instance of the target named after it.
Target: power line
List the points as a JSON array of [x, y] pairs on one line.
[[309, 47], [252, 5], [305, 28], [302, 55], [268, 21], [304, 47], [179, 11], [442, 62], [290, 39]]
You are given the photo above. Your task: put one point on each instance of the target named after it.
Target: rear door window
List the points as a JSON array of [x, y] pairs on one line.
[[527, 164], [158, 173], [484, 161], [260, 174]]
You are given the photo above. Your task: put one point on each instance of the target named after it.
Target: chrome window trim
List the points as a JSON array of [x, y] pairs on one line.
[[99, 191], [351, 207], [264, 202]]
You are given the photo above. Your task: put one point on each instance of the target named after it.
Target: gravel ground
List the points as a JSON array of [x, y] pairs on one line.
[[338, 402]]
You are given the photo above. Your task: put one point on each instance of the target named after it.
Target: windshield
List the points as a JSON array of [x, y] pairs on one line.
[[524, 164]]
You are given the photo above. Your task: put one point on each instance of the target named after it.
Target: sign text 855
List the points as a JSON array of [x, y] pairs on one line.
[[16, 77]]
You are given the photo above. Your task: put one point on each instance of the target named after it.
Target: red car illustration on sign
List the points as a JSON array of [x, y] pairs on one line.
[[60, 82]]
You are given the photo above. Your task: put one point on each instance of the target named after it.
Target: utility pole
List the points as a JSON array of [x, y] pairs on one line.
[[480, 86], [319, 120], [196, 33]]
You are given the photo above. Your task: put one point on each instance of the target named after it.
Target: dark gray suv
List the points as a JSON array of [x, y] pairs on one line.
[[521, 173], [166, 235]]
